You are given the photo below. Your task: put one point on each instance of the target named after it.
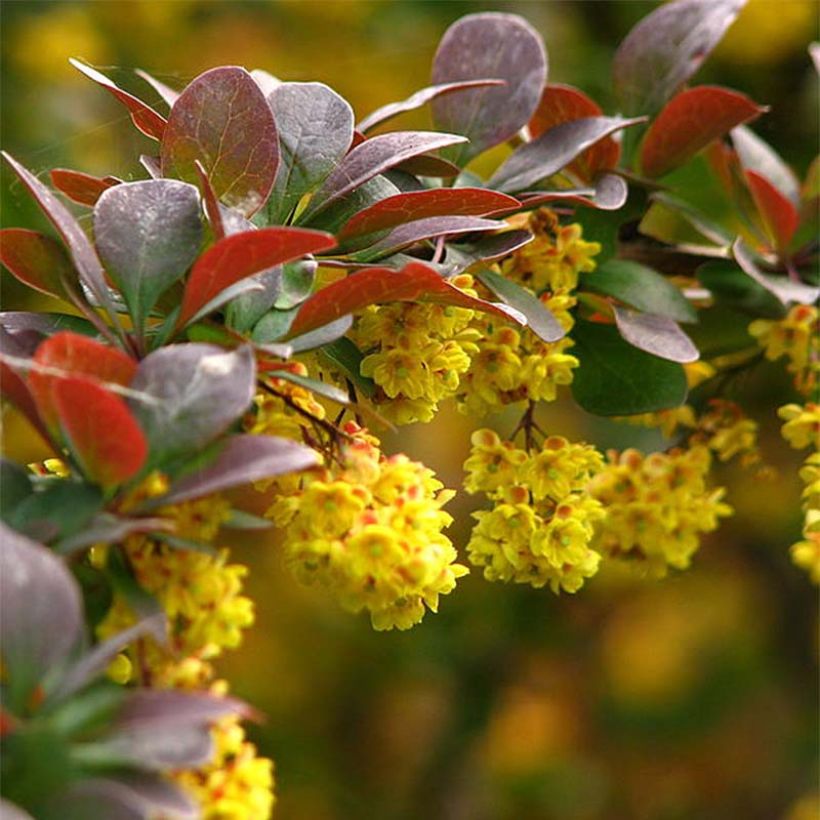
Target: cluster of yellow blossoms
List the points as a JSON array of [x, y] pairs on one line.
[[416, 353], [797, 337], [511, 366], [200, 593], [657, 506], [542, 521], [801, 430], [369, 528]]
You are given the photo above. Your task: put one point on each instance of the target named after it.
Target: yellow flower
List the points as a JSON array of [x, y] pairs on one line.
[[236, 784], [802, 427], [561, 467], [797, 337], [657, 506], [370, 530], [492, 464]]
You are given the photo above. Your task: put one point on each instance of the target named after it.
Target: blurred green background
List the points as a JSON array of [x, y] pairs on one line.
[[694, 697]]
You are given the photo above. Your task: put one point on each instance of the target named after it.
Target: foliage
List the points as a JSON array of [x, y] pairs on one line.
[[281, 260]]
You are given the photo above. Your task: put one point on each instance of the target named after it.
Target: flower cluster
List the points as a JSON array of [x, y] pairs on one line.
[[541, 524], [416, 353], [797, 337], [657, 506], [236, 784], [369, 528], [728, 432], [801, 430]]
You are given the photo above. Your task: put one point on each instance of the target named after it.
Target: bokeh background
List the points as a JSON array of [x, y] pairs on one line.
[[694, 697]]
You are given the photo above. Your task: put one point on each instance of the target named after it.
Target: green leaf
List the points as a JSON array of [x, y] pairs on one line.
[[273, 325], [346, 356], [125, 584], [61, 509], [640, 287], [329, 391], [616, 379], [297, 282], [15, 487], [540, 321], [321, 335], [241, 520], [733, 287]]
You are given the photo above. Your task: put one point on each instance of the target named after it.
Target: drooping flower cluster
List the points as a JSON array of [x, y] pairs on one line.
[[200, 593], [801, 430], [797, 337], [236, 783], [369, 528], [728, 432], [510, 365], [416, 353], [541, 524], [657, 506]]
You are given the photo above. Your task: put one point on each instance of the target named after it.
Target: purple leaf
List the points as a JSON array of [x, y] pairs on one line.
[[194, 392], [477, 46], [81, 250], [159, 797], [784, 289], [244, 458], [553, 150], [417, 100], [109, 529], [10, 811], [757, 155], [143, 116], [37, 260], [159, 747], [223, 120], [429, 165], [41, 611], [658, 335], [210, 203], [96, 797], [408, 207], [459, 257], [315, 128], [152, 165], [148, 234], [666, 48], [433, 226], [374, 157], [92, 665], [609, 194], [156, 708]]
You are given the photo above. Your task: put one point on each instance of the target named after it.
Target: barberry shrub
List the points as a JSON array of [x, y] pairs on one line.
[[284, 275]]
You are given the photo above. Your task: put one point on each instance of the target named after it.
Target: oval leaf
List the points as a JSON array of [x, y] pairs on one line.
[[655, 334], [37, 260], [243, 459], [148, 234], [408, 207], [609, 193], [757, 155], [244, 254], [689, 122], [780, 218], [417, 100], [143, 116], [640, 287], [564, 103], [617, 379], [194, 392], [553, 150], [315, 128], [666, 48], [433, 226], [79, 187], [223, 120], [492, 44], [81, 250], [100, 431], [539, 319], [415, 281], [66, 355], [373, 157], [783, 288], [41, 612]]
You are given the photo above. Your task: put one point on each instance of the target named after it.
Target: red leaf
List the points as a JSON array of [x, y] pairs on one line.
[[223, 120], [75, 355], [689, 122], [210, 202], [17, 392], [144, 117], [80, 187], [564, 103], [100, 431], [780, 217], [407, 207], [36, 260], [244, 254], [376, 285]]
